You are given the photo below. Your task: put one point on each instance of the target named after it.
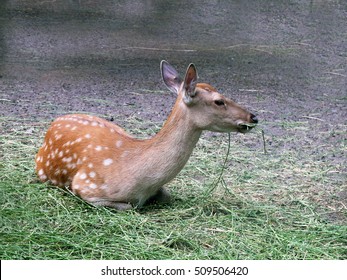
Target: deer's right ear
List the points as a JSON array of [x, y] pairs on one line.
[[170, 76]]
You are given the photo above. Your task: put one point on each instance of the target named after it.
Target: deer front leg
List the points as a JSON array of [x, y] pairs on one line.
[[120, 206], [163, 196]]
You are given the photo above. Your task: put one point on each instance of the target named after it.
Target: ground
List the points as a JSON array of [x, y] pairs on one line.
[[286, 61]]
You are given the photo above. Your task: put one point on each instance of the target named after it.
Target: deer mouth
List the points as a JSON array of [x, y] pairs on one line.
[[245, 127]]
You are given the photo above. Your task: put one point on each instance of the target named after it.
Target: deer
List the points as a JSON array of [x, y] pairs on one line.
[[102, 164]]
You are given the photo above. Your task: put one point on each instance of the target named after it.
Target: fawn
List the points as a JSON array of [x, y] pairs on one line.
[[105, 166]]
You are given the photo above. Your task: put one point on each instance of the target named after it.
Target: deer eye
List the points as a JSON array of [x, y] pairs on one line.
[[219, 102]]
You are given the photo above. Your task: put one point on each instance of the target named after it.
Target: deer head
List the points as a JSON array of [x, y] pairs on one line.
[[207, 109]]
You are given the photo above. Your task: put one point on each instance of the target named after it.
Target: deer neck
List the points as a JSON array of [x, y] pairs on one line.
[[168, 151], [178, 133]]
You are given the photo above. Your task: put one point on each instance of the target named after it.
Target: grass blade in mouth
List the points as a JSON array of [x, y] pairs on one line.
[[250, 125]]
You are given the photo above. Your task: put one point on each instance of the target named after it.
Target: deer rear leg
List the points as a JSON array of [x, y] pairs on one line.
[[91, 190]]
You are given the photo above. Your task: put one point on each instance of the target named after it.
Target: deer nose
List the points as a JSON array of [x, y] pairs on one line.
[[254, 118]]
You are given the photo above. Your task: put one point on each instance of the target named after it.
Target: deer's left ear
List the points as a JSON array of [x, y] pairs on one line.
[[190, 81]]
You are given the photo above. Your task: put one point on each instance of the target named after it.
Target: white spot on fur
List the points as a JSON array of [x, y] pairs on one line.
[[107, 161], [119, 143], [90, 165], [87, 136], [71, 165], [41, 172], [125, 154], [83, 176], [93, 186], [98, 148], [69, 159], [92, 174]]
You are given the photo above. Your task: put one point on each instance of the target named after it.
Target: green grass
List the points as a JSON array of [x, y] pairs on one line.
[[286, 204]]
